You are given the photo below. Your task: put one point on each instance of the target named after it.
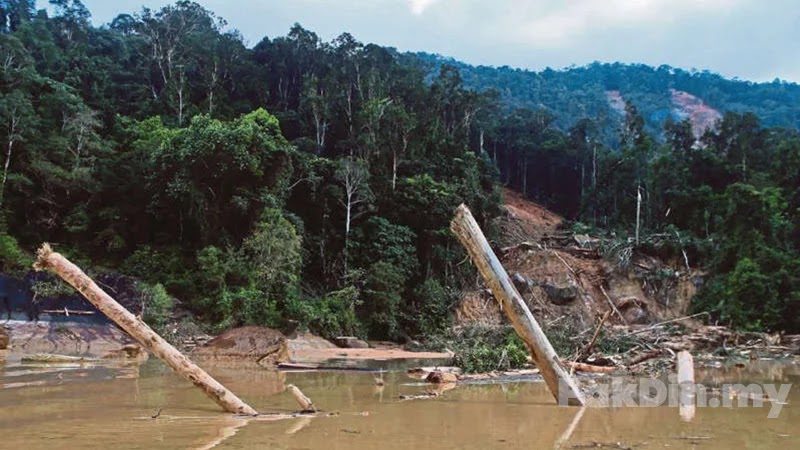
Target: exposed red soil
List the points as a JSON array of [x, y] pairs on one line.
[[524, 220], [702, 116], [540, 219]]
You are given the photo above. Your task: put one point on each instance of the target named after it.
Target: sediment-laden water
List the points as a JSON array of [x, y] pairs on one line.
[[88, 406]]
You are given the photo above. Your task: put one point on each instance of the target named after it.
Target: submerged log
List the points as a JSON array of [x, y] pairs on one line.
[[560, 383], [72, 274], [53, 358]]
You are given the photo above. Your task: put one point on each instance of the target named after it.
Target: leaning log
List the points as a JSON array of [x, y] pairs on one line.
[[306, 405], [47, 259], [560, 383]]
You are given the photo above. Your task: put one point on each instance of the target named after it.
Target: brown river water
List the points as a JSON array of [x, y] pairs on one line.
[[85, 407]]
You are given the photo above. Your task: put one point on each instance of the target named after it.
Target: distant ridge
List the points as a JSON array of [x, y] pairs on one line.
[[599, 90]]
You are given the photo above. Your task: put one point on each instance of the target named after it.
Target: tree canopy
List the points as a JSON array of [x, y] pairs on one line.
[[309, 181]]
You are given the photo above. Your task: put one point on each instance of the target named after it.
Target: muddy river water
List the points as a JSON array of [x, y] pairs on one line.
[[102, 407]]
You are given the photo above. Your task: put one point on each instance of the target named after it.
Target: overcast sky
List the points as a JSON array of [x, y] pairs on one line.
[[750, 39]]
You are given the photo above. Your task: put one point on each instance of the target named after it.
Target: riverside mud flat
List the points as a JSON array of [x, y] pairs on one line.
[[88, 407]]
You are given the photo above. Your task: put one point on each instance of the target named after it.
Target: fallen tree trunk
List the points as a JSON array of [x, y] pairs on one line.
[[72, 274], [560, 383], [583, 367]]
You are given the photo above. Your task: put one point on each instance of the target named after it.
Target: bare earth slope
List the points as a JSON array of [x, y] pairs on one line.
[[560, 274]]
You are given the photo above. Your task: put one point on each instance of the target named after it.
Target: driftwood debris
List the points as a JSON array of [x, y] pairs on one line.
[[72, 274], [644, 357], [585, 351], [306, 405], [68, 312], [666, 322], [53, 358], [591, 368], [613, 306], [471, 237], [685, 369]]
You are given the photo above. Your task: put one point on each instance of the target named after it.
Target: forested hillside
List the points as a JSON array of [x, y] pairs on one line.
[[311, 182], [599, 91]]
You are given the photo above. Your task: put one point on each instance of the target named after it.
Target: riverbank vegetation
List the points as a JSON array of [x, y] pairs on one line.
[[311, 183]]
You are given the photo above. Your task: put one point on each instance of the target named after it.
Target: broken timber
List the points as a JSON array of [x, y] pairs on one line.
[[560, 383], [72, 274], [306, 405], [685, 368]]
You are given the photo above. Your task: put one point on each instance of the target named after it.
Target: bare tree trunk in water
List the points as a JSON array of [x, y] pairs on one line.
[[54, 262], [562, 386]]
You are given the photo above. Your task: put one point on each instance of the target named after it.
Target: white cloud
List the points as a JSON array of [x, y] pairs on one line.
[[419, 6], [578, 18]]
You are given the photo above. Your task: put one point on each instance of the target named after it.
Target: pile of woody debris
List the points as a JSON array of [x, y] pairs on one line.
[[651, 349]]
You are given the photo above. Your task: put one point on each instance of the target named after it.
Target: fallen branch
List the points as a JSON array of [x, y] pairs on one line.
[[68, 312], [588, 348], [564, 262], [61, 266], [583, 367], [613, 306], [660, 324], [644, 357]]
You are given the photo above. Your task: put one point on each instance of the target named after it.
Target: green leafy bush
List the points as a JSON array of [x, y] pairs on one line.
[[157, 305], [431, 313], [486, 356], [11, 256], [254, 283], [382, 298], [481, 349], [330, 315]]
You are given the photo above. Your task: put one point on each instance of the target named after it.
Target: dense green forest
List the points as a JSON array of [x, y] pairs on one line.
[[578, 92], [309, 182]]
